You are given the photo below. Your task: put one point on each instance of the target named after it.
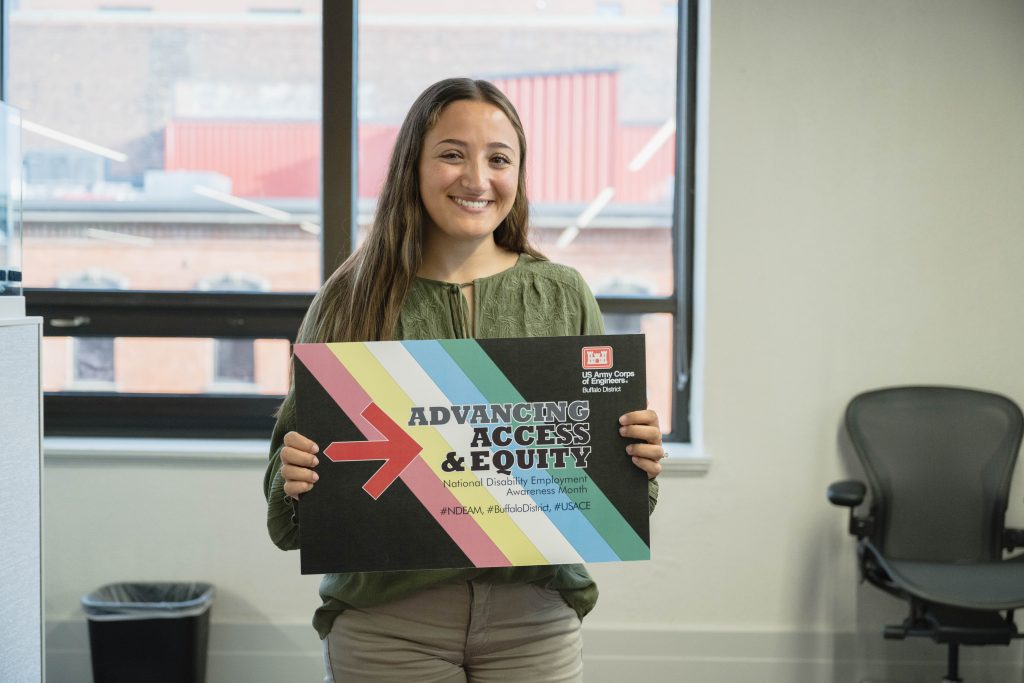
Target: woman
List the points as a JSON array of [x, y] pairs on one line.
[[448, 257]]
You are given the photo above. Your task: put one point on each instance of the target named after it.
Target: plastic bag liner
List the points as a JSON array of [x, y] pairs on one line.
[[132, 601]]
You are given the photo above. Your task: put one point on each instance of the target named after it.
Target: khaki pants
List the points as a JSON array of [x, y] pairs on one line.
[[476, 632]]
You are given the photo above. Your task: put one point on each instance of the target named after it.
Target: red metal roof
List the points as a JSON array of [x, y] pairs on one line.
[[262, 158], [576, 147]]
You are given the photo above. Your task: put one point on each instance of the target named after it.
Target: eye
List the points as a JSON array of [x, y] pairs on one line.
[[501, 160], [451, 155]]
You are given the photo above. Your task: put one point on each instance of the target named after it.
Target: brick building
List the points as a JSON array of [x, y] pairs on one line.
[[157, 209]]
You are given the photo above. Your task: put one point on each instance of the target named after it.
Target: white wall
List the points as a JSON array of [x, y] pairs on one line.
[[864, 228]]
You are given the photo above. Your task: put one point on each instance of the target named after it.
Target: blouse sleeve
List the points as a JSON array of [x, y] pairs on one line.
[[282, 523], [591, 322]]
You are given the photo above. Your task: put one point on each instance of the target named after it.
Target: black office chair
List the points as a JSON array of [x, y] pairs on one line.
[[938, 462]]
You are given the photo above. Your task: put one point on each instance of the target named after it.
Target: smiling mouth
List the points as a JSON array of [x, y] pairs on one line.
[[471, 203]]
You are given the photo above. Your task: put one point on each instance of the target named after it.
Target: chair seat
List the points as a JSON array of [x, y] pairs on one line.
[[980, 586]]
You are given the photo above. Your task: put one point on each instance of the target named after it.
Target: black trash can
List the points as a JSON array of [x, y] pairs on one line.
[[153, 632]]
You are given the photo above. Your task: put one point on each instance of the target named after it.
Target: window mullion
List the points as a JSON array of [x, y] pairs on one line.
[[682, 215], [127, 313], [339, 152]]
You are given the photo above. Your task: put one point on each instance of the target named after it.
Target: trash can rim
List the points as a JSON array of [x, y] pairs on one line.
[[106, 606]]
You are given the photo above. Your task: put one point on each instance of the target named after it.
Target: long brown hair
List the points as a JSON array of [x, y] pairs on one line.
[[362, 299]]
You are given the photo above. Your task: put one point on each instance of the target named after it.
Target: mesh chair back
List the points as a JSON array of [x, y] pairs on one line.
[[939, 462]]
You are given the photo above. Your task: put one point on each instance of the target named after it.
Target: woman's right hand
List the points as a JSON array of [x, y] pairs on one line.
[[297, 462]]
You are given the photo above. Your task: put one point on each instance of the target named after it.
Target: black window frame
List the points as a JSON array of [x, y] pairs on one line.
[[175, 314]]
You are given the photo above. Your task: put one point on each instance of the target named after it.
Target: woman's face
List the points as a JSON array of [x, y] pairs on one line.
[[469, 170]]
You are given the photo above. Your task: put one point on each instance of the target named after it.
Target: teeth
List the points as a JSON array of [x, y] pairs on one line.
[[470, 205]]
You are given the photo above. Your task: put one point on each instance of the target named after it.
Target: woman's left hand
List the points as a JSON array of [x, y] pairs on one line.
[[643, 425]]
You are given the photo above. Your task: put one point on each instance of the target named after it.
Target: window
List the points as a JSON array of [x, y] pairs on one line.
[[234, 363], [179, 171], [92, 358], [94, 361], [601, 94], [201, 158]]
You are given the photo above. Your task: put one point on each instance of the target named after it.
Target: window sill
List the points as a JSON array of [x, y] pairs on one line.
[[122, 449], [685, 460]]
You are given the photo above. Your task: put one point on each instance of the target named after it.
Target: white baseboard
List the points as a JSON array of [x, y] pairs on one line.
[[256, 653]]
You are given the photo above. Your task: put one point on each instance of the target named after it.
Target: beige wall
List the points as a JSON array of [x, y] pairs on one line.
[[864, 218]]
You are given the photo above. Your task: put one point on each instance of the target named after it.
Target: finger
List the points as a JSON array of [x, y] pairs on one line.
[[651, 467], [648, 433], [299, 442], [292, 456], [648, 451], [297, 488], [293, 473], [640, 417]]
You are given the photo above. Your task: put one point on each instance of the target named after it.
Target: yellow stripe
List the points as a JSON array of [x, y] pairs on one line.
[[387, 394]]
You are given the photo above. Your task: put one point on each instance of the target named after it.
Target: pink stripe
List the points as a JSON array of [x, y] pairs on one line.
[[421, 480], [335, 378], [462, 529]]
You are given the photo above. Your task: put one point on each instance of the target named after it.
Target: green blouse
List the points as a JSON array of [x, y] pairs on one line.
[[534, 298]]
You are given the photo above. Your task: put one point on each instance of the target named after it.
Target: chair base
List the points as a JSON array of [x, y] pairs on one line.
[[945, 624], [954, 627]]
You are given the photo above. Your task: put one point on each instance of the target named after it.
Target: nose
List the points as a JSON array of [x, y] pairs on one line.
[[474, 177]]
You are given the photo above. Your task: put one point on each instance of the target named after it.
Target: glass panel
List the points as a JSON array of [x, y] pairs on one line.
[[659, 338], [594, 84], [176, 366], [170, 144], [10, 201]]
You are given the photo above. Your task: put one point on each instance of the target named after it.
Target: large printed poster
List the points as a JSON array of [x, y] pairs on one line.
[[471, 453]]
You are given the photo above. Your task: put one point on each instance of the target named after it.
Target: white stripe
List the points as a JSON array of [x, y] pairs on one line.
[[595, 207], [421, 389], [232, 200], [72, 141], [124, 238], [652, 146]]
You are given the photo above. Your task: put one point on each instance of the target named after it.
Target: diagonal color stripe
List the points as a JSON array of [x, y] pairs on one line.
[[475, 537], [479, 367], [351, 397], [339, 384], [545, 544], [460, 388]]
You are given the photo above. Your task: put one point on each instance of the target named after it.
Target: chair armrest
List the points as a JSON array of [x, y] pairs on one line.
[[847, 494], [850, 494], [1013, 538]]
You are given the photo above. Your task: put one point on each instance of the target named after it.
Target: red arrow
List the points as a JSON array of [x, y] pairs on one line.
[[397, 449]]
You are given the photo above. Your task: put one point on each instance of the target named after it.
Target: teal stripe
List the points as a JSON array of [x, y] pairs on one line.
[[497, 388]]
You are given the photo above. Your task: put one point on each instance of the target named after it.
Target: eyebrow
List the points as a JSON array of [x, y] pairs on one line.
[[461, 143]]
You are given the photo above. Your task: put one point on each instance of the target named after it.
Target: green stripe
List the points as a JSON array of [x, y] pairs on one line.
[[496, 387]]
